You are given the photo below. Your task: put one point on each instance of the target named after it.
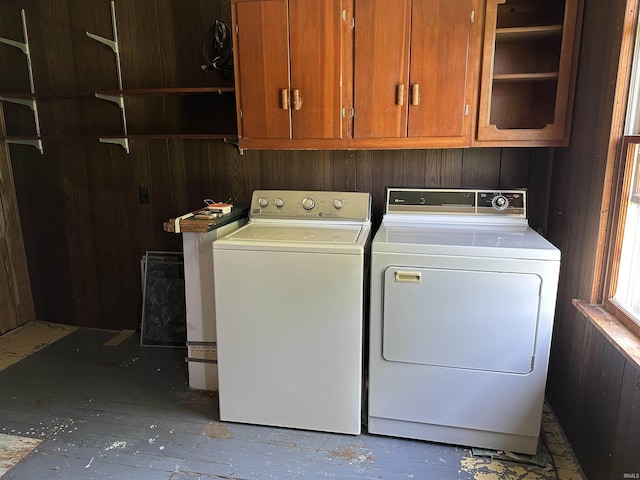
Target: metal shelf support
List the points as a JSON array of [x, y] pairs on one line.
[[118, 100], [32, 104]]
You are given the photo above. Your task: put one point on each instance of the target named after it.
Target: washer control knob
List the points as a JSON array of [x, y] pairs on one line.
[[278, 202], [263, 202], [308, 203], [500, 202], [338, 204]]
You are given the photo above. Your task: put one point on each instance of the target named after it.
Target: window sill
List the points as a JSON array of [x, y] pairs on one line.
[[623, 339]]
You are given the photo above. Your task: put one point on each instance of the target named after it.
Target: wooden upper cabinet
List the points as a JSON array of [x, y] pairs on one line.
[[288, 66], [413, 71], [528, 72]]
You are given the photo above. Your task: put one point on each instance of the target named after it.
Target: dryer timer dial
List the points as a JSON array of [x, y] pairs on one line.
[[500, 202]]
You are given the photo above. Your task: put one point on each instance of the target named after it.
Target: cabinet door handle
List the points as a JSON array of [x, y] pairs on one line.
[[297, 102], [400, 94], [284, 99], [415, 94]]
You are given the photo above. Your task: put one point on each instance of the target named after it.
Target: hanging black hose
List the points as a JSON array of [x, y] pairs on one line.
[[218, 49]]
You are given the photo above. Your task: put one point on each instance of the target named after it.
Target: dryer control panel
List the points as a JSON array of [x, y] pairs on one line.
[[457, 201]]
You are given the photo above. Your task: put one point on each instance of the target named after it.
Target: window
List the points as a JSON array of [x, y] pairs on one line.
[[623, 280]]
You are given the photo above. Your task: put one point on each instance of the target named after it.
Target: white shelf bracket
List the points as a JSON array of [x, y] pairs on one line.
[[112, 44], [32, 104], [32, 143], [117, 99], [123, 142]]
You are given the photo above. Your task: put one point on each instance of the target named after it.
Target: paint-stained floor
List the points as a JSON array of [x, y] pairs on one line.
[[89, 407]]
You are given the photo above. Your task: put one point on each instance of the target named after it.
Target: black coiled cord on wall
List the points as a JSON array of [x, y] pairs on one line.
[[218, 49]]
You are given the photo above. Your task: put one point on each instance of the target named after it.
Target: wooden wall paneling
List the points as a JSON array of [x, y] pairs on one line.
[[179, 187], [539, 186], [312, 170], [344, 171], [514, 167], [129, 238], [59, 48], [276, 170], [364, 167], [481, 167], [386, 171], [173, 42], [16, 301], [575, 381], [433, 168], [558, 377], [142, 178], [603, 397], [19, 119], [40, 199], [220, 171], [625, 458], [236, 171], [103, 215], [142, 66], [248, 168], [414, 168], [160, 191], [77, 214], [451, 167]]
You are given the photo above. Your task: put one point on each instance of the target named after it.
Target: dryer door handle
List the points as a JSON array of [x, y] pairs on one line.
[[408, 277]]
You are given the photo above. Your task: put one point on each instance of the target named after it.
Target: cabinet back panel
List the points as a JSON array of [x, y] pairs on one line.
[[517, 13]]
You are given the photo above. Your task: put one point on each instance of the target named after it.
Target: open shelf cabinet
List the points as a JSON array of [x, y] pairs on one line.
[[528, 71]]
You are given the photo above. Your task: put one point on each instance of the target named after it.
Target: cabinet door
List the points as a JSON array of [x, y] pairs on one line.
[[316, 67], [381, 68], [411, 64], [440, 32], [262, 69]]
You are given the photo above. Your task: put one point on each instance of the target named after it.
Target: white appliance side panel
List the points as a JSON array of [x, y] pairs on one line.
[[478, 320], [289, 331], [199, 298]]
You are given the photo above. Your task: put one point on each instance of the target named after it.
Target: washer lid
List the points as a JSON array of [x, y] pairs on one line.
[[307, 236], [476, 240]]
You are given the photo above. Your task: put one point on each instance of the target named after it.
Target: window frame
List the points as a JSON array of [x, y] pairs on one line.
[[621, 193]]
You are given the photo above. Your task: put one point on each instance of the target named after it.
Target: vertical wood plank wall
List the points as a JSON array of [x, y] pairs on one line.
[[84, 227], [16, 301], [593, 388]]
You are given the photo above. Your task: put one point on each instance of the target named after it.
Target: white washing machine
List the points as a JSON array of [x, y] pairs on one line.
[[289, 289], [463, 296]]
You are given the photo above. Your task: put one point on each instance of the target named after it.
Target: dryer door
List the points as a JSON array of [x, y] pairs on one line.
[[480, 320]]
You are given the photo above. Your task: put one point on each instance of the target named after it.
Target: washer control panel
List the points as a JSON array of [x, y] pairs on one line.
[[457, 201], [320, 205]]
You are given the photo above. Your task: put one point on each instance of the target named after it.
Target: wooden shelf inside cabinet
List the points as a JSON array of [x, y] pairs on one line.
[[515, 34], [525, 77], [528, 72]]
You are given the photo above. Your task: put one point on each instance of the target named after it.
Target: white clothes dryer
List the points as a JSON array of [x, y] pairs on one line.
[[289, 289], [463, 297]]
